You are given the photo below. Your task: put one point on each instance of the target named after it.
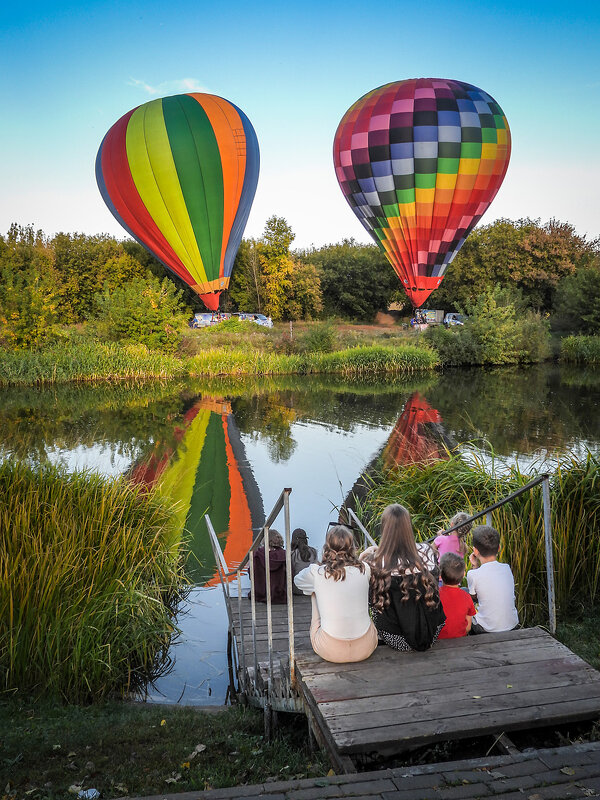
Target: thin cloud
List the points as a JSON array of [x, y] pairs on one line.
[[169, 87]]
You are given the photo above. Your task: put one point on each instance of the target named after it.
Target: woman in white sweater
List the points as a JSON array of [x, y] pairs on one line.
[[341, 629]]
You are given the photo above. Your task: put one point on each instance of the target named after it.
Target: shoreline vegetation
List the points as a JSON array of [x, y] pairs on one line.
[[109, 615], [91, 573], [320, 348]]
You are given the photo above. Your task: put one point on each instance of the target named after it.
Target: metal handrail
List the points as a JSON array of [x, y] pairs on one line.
[[226, 574]]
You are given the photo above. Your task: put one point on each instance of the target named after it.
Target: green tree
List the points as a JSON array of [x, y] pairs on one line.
[[28, 302], [578, 300], [356, 280], [145, 310], [522, 254], [245, 288]]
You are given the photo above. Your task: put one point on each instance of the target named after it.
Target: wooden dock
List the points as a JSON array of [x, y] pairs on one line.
[[461, 688]]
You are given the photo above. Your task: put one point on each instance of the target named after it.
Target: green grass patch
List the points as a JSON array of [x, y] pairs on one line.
[[224, 352], [84, 360], [136, 749], [90, 576], [580, 349], [434, 492]]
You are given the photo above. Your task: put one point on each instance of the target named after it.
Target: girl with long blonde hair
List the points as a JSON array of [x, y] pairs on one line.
[[341, 629]]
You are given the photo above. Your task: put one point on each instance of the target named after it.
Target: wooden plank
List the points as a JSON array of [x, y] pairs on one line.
[[440, 652], [339, 687], [548, 675], [381, 673], [444, 707], [395, 738]]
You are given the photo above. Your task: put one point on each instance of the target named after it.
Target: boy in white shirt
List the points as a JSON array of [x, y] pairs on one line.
[[491, 584]]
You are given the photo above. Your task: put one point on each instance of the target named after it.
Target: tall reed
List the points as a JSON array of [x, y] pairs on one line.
[[433, 492], [580, 349], [90, 576]]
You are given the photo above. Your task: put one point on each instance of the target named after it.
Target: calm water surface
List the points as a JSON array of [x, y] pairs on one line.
[[230, 447]]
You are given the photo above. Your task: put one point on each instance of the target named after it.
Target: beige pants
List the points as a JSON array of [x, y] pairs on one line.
[[340, 651]]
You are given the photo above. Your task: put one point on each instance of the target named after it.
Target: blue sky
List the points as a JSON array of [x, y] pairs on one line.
[[69, 70]]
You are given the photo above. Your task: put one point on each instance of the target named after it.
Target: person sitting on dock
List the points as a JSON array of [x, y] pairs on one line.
[[405, 602], [341, 629], [491, 584], [454, 542], [276, 570], [458, 605], [302, 554]]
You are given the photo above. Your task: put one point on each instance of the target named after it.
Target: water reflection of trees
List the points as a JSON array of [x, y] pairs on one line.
[[515, 410], [518, 410], [129, 418]]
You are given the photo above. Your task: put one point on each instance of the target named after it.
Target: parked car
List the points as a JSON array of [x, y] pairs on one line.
[[260, 319], [203, 319], [453, 318]]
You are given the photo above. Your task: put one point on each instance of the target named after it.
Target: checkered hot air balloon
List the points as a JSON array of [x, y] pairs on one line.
[[179, 174], [419, 161]]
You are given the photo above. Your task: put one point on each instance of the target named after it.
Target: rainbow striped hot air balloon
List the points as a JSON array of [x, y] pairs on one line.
[[419, 161], [180, 174]]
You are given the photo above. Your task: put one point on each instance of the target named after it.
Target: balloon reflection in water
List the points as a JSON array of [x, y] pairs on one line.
[[207, 473], [417, 436]]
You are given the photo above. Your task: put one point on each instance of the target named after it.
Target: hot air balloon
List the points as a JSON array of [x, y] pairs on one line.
[[179, 174], [419, 161]]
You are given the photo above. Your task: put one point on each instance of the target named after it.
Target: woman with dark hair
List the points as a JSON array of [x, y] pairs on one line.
[[341, 629], [303, 555], [405, 602], [276, 570]]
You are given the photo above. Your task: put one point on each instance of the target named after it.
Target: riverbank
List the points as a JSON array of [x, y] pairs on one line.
[[90, 361], [136, 749]]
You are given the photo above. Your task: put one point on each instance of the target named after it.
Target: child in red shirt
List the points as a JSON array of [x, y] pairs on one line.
[[458, 605]]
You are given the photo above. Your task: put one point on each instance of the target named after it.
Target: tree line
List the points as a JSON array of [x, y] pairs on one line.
[[71, 278]]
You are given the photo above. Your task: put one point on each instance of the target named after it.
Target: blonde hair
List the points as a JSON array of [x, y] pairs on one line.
[[339, 552]]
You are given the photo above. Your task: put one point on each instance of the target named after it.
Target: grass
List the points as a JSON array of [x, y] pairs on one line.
[[136, 749], [433, 492], [253, 351], [90, 576], [580, 349]]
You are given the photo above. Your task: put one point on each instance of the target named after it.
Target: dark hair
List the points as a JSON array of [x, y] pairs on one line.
[[486, 539], [339, 552], [275, 538], [300, 543], [397, 551], [453, 568]]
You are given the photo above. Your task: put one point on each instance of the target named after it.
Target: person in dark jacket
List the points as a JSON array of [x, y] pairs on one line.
[[404, 596], [276, 569]]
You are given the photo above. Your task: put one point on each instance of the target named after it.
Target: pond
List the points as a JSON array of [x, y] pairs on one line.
[[230, 446]]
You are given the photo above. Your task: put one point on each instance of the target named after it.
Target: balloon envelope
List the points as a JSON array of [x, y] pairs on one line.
[[179, 174], [419, 161]]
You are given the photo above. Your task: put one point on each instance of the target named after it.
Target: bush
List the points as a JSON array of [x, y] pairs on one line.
[[454, 346], [319, 338], [497, 331], [143, 311]]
